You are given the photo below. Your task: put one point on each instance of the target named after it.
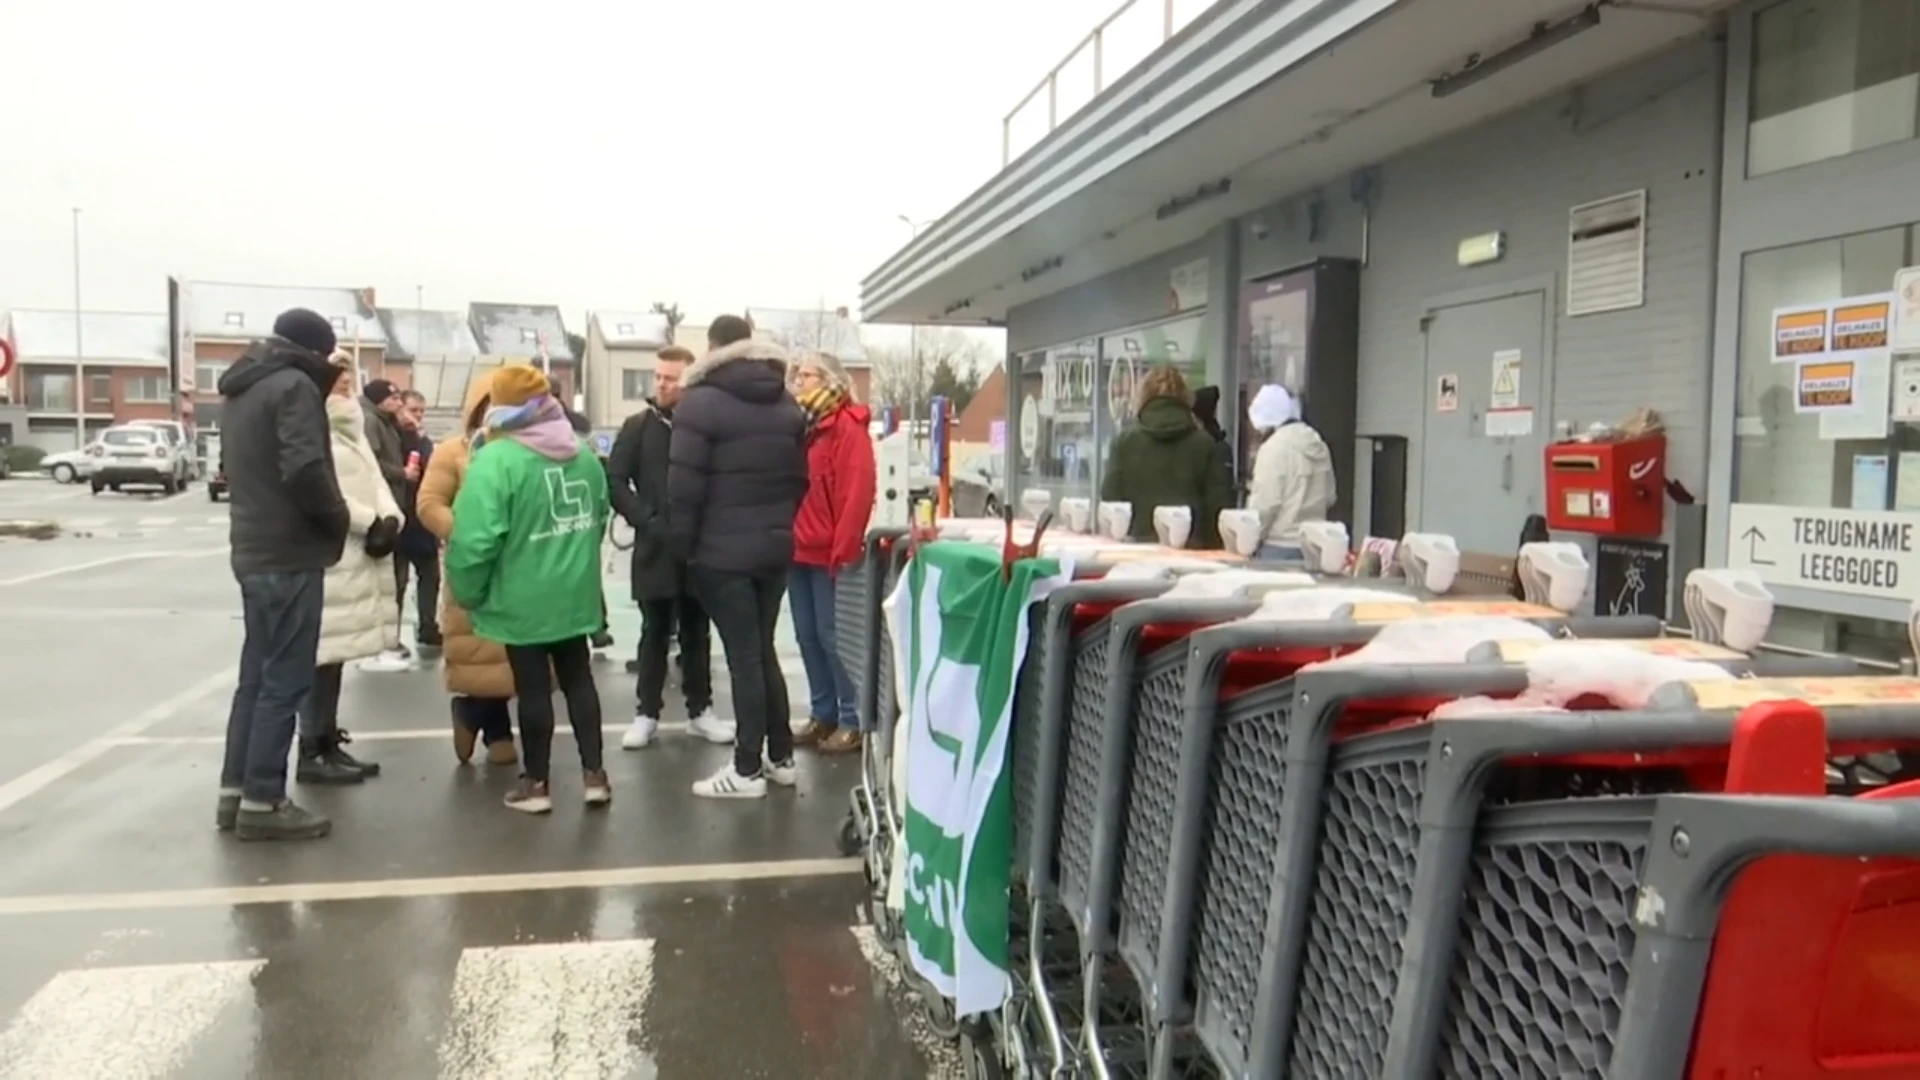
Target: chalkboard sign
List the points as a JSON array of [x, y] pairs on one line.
[[1630, 578]]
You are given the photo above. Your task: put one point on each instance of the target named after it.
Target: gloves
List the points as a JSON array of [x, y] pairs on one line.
[[382, 536]]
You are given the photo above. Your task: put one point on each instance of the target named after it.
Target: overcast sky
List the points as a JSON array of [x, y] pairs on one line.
[[590, 154]]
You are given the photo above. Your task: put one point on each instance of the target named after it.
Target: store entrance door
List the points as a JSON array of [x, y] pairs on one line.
[[1480, 469]]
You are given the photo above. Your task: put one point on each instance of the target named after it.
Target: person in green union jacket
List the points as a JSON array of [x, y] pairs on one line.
[[524, 561], [1167, 459]]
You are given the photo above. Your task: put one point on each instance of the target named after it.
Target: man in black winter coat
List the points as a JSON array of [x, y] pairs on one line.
[[287, 525], [637, 480], [735, 478]]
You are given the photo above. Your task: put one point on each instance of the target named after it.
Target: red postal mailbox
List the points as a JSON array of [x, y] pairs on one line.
[[1608, 488]]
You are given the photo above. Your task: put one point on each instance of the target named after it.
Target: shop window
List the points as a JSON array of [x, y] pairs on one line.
[[1126, 357], [1831, 78], [1057, 442], [1785, 455]]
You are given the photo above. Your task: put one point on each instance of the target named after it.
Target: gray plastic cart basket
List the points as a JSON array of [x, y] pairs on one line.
[[1332, 942], [1233, 772]]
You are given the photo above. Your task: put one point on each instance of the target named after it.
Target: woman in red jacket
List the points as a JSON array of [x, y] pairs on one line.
[[829, 535]]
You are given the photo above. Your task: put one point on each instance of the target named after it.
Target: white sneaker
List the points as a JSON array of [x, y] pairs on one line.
[[392, 660], [640, 734], [784, 774], [727, 784], [711, 728]]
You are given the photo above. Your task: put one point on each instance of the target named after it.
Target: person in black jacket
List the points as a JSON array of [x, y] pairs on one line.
[[637, 472], [418, 554], [288, 523], [583, 427], [737, 471]]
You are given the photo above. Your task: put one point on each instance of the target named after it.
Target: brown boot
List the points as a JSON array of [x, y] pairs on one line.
[[502, 753], [464, 737], [842, 741], [813, 733]]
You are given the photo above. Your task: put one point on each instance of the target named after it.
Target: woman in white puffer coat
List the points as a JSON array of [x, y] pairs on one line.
[[360, 616]]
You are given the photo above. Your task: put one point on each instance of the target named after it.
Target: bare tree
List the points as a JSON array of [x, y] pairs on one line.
[[673, 314], [951, 363]]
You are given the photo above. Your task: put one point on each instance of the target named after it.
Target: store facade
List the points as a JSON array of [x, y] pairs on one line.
[[1619, 244]]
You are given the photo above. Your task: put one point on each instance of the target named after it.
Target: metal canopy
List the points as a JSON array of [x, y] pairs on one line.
[[1253, 102]]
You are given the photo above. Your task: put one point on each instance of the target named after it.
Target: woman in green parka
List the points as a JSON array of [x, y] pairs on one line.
[[524, 560], [1167, 459]]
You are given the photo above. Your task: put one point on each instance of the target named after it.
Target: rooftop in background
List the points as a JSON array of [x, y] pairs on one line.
[[516, 330], [629, 330], [802, 330], [118, 337], [412, 332], [223, 310]]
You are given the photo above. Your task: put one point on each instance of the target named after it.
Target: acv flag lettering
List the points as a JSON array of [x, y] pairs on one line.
[[959, 637]]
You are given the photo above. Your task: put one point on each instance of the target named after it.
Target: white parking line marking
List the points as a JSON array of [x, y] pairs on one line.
[[399, 735], [154, 521], [527, 1012], [126, 1021], [410, 888], [112, 560], [86, 523], [23, 787]]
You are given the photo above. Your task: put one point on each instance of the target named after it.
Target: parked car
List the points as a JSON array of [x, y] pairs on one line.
[[184, 468], [69, 466], [134, 454], [980, 485], [213, 467]]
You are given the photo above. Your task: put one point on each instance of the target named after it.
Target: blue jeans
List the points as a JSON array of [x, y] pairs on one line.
[[828, 684], [281, 613]]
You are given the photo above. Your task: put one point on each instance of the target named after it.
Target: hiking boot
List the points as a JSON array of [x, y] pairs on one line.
[[601, 640], [783, 773], [728, 784], [285, 821], [530, 797], [598, 791], [227, 811], [842, 741], [338, 753], [429, 639], [501, 752], [707, 726], [811, 735], [319, 766]]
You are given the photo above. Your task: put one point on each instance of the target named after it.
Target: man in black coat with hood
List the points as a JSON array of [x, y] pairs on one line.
[[637, 481], [737, 471], [288, 524]]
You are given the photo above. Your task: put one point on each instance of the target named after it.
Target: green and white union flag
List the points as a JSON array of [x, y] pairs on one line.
[[959, 658]]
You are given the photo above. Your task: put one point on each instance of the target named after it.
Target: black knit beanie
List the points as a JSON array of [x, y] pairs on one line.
[[306, 329]]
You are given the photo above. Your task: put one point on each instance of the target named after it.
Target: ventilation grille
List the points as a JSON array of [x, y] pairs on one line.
[[1607, 255]]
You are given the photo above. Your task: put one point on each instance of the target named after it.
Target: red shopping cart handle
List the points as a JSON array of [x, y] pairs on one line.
[[1011, 552]]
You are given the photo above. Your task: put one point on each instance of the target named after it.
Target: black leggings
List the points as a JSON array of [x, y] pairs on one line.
[[572, 662]]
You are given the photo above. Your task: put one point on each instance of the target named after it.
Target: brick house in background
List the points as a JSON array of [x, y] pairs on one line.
[[218, 320], [126, 372]]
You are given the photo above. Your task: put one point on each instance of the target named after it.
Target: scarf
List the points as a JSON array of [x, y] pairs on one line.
[[505, 418], [820, 403]]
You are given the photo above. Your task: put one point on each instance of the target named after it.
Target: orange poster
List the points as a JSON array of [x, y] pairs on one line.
[[1825, 386], [1862, 326], [1799, 332]]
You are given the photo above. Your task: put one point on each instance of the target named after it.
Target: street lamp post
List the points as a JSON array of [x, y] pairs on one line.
[[79, 348]]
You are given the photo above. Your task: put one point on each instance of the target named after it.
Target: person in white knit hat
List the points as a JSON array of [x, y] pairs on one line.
[[1292, 472]]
